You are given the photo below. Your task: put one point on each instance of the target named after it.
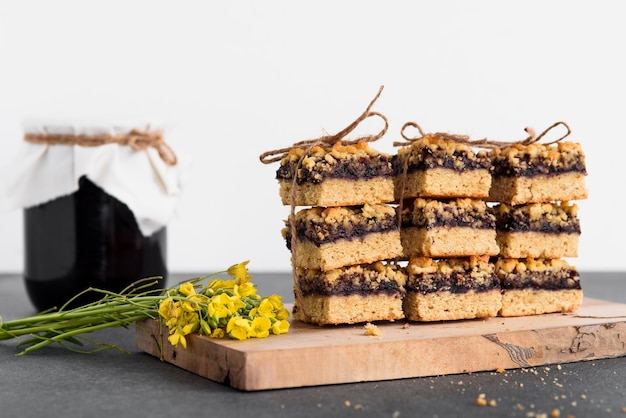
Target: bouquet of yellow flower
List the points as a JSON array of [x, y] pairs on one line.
[[219, 308]]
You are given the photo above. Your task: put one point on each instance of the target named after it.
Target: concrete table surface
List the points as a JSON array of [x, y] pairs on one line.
[[57, 382]]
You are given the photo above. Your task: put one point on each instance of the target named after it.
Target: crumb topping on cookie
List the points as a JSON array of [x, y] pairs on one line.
[[358, 161], [538, 159], [540, 217], [537, 273], [515, 265], [461, 212], [361, 278], [433, 151], [321, 225], [346, 214], [451, 274]]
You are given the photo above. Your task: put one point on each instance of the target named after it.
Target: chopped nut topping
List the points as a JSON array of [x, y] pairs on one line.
[[537, 217], [519, 159], [320, 225], [463, 212], [372, 275], [514, 265], [338, 161], [432, 151], [463, 273]]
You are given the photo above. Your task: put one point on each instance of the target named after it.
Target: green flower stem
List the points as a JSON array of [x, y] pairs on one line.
[[182, 309], [75, 318], [88, 310], [85, 330]]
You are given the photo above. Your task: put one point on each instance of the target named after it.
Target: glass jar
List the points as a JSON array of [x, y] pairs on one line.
[[87, 239], [96, 198]]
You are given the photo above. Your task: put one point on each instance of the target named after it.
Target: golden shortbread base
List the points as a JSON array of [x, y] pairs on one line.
[[368, 249], [536, 189], [444, 183], [522, 302], [448, 242], [350, 309], [339, 192], [537, 245], [445, 305]]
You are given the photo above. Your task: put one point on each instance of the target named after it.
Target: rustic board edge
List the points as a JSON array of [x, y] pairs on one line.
[[251, 366]]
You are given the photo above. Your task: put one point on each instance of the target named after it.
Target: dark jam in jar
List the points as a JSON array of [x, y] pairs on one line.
[[87, 239]]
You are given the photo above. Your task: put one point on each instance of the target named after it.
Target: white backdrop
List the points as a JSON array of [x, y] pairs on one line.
[[234, 79]]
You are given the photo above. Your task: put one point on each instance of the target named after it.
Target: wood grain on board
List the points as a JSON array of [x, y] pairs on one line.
[[310, 355]]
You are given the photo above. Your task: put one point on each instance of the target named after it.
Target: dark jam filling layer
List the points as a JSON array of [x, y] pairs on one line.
[[519, 222], [455, 282], [323, 233], [545, 280], [363, 168], [350, 284], [452, 219], [425, 159], [534, 167]]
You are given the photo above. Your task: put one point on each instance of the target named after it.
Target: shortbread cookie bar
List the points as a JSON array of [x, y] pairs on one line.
[[447, 228], [361, 293], [328, 238], [341, 175], [537, 230], [441, 168], [538, 286], [450, 289], [538, 173]]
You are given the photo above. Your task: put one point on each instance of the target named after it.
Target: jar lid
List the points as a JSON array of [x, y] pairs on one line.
[[89, 127], [131, 167]]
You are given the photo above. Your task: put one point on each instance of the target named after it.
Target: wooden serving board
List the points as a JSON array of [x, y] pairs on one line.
[[310, 355]]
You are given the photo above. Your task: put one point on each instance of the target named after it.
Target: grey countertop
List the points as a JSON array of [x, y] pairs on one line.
[[58, 382]]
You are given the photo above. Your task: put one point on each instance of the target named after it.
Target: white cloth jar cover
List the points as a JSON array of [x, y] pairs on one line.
[[139, 178]]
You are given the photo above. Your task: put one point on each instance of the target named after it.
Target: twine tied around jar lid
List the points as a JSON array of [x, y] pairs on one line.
[[138, 140]]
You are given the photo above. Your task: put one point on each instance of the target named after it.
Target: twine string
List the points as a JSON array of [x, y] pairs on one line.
[[329, 140], [482, 143], [326, 140], [137, 139]]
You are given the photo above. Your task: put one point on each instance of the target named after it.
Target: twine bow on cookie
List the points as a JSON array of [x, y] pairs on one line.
[[137, 139], [329, 140], [481, 143]]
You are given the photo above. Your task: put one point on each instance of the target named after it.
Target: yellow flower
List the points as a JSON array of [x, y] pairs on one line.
[[216, 284], [239, 272], [260, 327], [168, 309], [244, 289], [265, 309], [187, 289], [283, 313], [217, 333], [177, 338], [217, 306], [189, 328], [222, 308], [276, 301], [280, 327], [235, 303], [190, 306], [238, 328]]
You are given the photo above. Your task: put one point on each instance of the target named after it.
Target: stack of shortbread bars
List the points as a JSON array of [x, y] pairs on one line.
[[438, 231]]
